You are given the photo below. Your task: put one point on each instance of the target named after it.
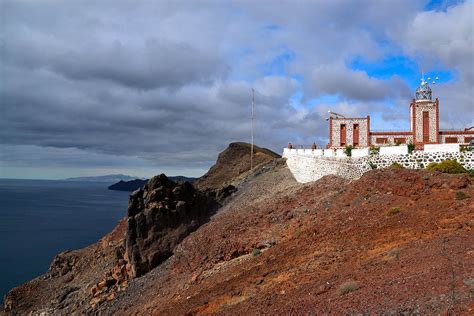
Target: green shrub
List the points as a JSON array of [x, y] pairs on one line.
[[348, 150], [393, 211], [374, 150], [255, 252], [460, 195], [396, 165], [372, 165], [411, 147], [394, 252], [348, 287], [447, 166], [398, 143], [466, 148]]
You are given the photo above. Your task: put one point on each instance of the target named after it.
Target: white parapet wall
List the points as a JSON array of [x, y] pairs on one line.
[[394, 150], [328, 153], [318, 152], [447, 148], [307, 167], [360, 152], [340, 153], [302, 152]]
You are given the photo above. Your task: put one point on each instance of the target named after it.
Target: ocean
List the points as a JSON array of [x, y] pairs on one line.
[[41, 218]]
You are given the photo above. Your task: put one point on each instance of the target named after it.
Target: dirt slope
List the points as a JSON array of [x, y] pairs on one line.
[[231, 163], [395, 241]]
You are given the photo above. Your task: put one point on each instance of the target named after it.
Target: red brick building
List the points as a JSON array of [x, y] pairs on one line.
[[424, 127]]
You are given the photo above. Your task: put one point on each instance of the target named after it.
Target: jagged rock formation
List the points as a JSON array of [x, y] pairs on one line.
[[160, 216], [232, 163]]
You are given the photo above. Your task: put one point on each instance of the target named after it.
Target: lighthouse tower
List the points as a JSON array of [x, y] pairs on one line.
[[424, 116]]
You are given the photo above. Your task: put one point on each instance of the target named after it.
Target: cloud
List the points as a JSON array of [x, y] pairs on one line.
[[444, 36], [148, 64], [167, 85], [355, 85]]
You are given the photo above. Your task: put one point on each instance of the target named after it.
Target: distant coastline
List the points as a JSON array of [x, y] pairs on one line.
[[111, 178], [135, 184]]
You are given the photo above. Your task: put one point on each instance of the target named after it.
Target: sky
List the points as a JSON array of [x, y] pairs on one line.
[[145, 87]]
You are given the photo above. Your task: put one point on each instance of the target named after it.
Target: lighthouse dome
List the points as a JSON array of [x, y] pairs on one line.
[[423, 92]]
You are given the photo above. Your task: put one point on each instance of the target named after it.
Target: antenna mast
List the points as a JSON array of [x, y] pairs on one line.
[[251, 143]]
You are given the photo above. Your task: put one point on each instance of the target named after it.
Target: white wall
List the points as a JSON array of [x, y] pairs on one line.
[[328, 152], [302, 152], [436, 148], [394, 150], [340, 153], [360, 152]]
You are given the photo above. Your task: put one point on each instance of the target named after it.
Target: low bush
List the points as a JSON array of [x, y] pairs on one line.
[[460, 195], [466, 148], [348, 287], [348, 150], [374, 150], [411, 148], [393, 211], [372, 165], [396, 165], [394, 252], [447, 166], [255, 252]]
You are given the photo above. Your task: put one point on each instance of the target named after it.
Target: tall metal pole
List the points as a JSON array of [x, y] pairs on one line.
[[251, 144]]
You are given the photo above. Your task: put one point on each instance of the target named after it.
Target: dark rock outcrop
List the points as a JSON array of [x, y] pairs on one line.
[[160, 215]]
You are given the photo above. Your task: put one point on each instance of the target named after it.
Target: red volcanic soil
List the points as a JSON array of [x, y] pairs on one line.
[[394, 241]]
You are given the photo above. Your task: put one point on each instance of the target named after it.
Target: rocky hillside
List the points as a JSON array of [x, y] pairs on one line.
[[395, 241], [232, 163]]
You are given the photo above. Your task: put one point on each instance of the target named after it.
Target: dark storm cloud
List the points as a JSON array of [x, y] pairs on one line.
[[151, 64]]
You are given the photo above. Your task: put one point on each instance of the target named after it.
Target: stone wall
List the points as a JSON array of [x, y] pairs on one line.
[[307, 169], [419, 160]]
